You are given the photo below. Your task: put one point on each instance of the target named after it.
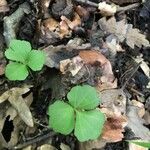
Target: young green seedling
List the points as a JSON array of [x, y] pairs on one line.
[[79, 114], [22, 57]]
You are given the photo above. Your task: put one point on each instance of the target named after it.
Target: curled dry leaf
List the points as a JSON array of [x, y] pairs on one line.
[[114, 128], [113, 105], [14, 96], [107, 9], [107, 80], [3, 6], [135, 123], [74, 65], [74, 23], [114, 100], [123, 31], [61, 29]]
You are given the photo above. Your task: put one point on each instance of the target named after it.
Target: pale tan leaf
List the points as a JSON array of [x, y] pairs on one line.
[[124, 31], [133, 146], [107, 9], [134, 37]]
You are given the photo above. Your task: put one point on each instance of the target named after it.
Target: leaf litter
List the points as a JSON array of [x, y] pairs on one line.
[[85, 42]]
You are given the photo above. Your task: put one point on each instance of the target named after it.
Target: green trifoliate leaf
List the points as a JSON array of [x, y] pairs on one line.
[[83, 97], [141, 143], [36, 60], [16, 71], [18, 50], [61, 117], [88, 125]]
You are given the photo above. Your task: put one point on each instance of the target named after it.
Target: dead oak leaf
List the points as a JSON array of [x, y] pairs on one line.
[[123, 31], [113, 129], [14, 96]]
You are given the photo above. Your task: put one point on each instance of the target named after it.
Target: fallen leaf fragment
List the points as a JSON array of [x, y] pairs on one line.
[[135, 123], [107, 80], [64, 147], [3, 6], [46, 147], [114, 100], [133, 146], [124, 31], [14, 96], [114, 128], [74, 65], [107, 9], [74, 23], [144, 66]]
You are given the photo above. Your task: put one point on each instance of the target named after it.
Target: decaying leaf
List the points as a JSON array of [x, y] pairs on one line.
[[3, 6], [144, 66], [135, 123], [74, 23], [64, 147], [114, 128], [46, 147], [61, 29], [114, 100], [74, 65], [14, 96], [107, 80], [123, 31], [106, 9], [55, 54]]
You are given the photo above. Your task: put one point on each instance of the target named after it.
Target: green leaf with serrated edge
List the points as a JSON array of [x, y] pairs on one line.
[[36, 60], [88, 125], [16, 71], [83, 97], [61, 117], [18, 50], [141, 143]]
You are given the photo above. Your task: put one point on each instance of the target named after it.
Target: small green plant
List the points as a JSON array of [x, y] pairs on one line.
[[79, 113], [141, 143], [22, 57]]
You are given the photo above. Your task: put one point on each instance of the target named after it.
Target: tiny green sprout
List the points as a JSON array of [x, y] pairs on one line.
[[79, 114], [22, 57]]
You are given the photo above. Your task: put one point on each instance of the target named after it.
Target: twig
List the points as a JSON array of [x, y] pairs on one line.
[[134, 71], [11, 22], [87, 2], [132, 6], [37, 139]]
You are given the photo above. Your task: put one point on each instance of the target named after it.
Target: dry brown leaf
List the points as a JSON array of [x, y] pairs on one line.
[[114, 128], [61, 29], [74, 23], [82, 12], [107, 80], [92, 57], [124, 31], [14, 96]]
